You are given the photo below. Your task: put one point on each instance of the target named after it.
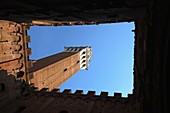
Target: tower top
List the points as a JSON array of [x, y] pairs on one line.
[[85, 54]]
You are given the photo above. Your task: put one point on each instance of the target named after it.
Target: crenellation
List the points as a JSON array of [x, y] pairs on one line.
[[117, 95], [66, 99], [91, 93], [55, 91], [94, 103], [44, 90], [29, 51], [30, 64], [66, 91], [104, 94], [78, 92], [130, 96], [28, 39]]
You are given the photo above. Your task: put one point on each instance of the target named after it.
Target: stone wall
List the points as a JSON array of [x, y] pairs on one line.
[[67, 102], [67, 12]]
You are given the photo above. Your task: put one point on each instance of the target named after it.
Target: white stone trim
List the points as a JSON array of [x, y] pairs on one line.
[[85, 55]]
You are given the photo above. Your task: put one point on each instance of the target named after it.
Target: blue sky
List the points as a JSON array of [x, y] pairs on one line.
[[111, 67]]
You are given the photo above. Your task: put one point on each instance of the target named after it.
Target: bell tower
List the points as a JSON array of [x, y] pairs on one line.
[[54, 70]]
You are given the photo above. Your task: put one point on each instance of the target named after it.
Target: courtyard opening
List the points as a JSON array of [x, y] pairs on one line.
[[111, 67]]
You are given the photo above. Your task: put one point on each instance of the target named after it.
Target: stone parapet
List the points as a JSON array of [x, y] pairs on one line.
[[77, 102]]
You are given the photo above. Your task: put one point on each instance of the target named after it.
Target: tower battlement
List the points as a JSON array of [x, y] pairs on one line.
[[90, 93]]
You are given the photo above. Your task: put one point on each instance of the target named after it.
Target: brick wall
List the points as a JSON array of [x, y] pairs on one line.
[[54, 70]]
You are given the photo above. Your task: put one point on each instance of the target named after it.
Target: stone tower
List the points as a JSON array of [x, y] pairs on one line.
[[52, 71]]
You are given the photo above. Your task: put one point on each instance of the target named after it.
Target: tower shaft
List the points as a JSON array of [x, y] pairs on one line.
[[52, 71]]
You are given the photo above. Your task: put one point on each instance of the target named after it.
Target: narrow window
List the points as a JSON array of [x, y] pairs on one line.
[[83, 52], [84, 61], [83, 65], [83, 57], [78, 61], [65, 69]]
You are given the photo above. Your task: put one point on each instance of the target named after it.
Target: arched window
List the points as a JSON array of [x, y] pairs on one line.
[[83, 52], [83, 65], [83, 57], [84, 61]]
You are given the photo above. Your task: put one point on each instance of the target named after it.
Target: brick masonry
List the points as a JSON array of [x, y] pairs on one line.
[[54, 70]]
